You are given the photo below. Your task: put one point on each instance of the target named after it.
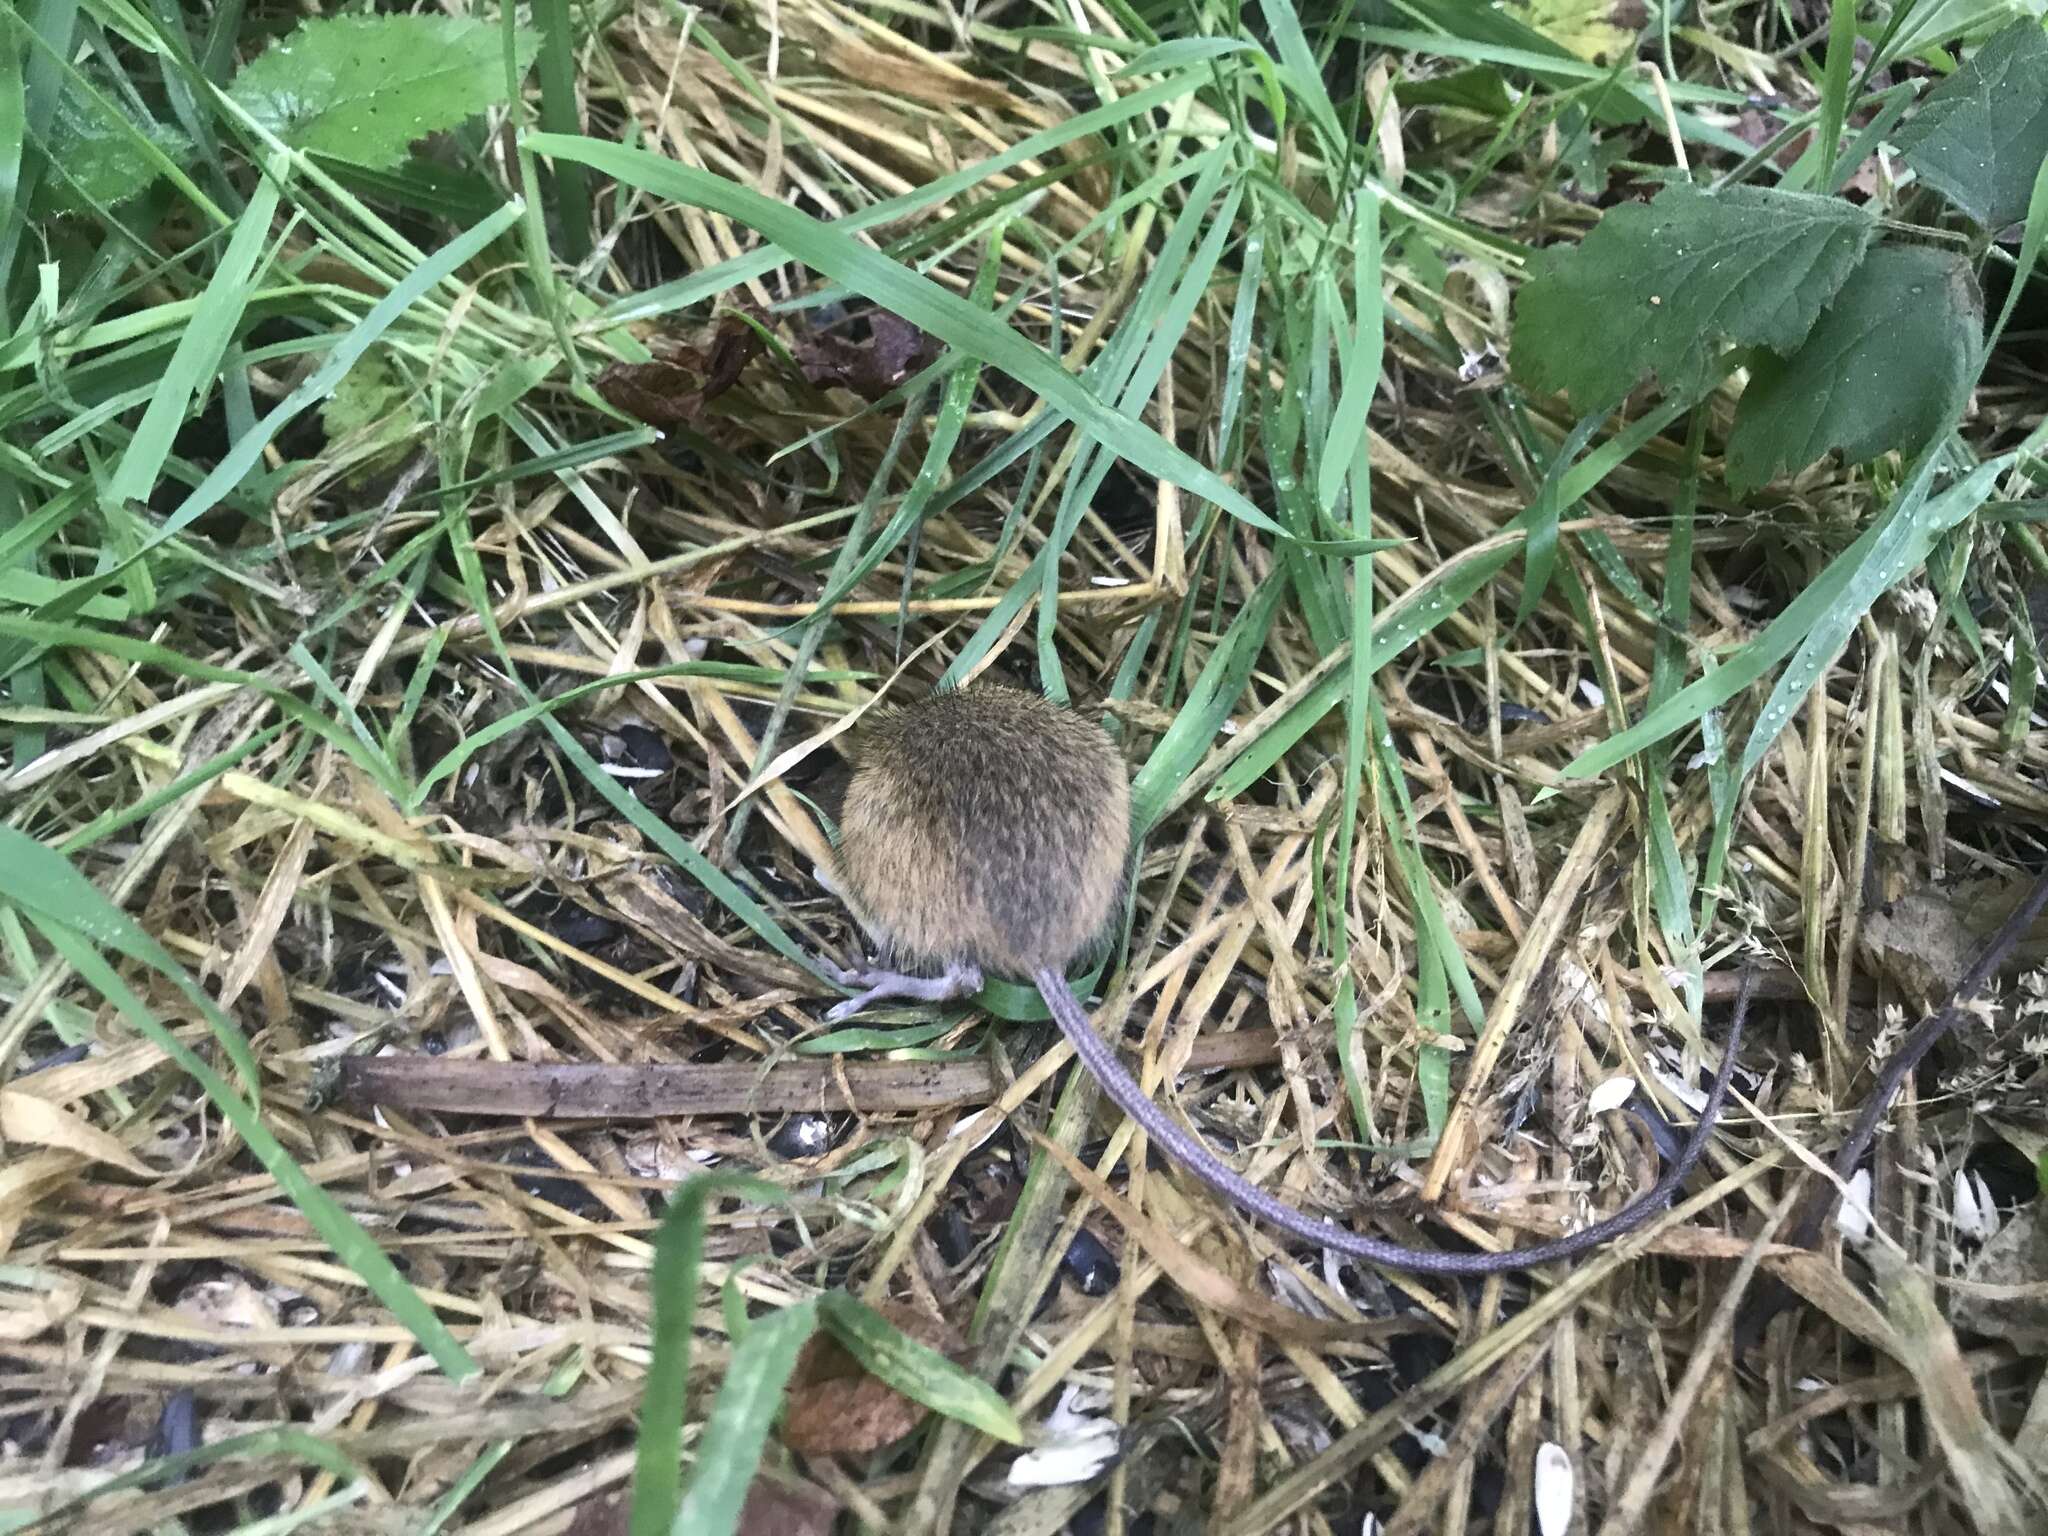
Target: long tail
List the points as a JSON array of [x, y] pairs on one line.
[[1192, 1153]]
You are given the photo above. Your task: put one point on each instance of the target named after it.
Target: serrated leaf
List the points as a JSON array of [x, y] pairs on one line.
[[99, 161], [1659, 287], [1887, 367], [1982, 134], [364, 88]]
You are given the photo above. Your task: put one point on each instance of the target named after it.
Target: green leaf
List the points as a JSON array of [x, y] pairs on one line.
[[1479, 89], [97, 161], [1659, 287], [920, 1373], [729, 1451], [1889, 366], [363, 88], [678, 1262], [1982, 134]]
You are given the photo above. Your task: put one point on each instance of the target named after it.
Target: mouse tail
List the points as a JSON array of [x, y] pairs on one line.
[[1192, 1153]]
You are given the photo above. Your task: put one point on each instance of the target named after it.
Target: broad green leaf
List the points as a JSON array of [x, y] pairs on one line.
[[1480, 89], [97, 161], [1659, 287], [1889, 366], [363, 88], [1982, 133], [919, 1372], [729, 1451]]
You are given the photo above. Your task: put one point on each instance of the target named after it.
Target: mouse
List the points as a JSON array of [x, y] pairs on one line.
[[987, 830]]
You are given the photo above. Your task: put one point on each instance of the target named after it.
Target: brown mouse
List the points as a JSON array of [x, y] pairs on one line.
[[988, 830]]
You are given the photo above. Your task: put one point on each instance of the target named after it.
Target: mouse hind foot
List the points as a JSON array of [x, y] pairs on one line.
[[878, 985]]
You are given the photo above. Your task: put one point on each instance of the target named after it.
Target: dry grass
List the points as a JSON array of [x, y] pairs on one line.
[[515, 914]]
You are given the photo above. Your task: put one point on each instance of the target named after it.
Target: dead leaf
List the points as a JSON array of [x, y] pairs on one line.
[[673, 392], [837, 1409], [778, 1506], [1928, 938], [891, 352], [2013, 1262], [1996, 1486], [26, 1118], [663, 395]]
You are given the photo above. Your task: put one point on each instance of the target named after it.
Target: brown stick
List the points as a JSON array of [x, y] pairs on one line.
[[565, 1091]]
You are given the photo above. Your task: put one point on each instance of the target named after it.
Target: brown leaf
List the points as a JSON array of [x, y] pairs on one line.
[[837, 1409], [787, 1507], [672, 392], [892, 350], [660, 394], [1928, 938], [737, 342]]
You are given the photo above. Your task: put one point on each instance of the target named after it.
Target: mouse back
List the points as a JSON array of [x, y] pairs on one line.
[[987, 825]]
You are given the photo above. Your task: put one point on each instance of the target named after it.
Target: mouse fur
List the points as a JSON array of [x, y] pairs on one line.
[[985, 826]]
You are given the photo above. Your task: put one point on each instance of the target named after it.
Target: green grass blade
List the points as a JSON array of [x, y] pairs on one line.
[[729, 1450], [350, 1243], [1902, 542], [1881, 547], [569, 185], [919, 1372], [242, 458], [915, 298], [1301, 71], [1834, 85], [204, 340], [740, 269], [1208, 704], [678, 1260]]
